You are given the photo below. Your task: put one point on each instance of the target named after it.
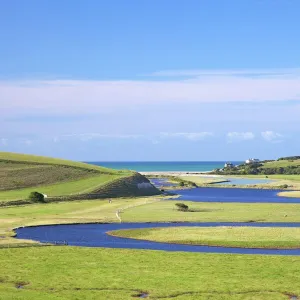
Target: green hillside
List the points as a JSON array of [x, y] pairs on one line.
[[36, 160], [22, 174], [286, 166]]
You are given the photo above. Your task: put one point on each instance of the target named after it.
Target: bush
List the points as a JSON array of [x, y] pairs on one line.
[[181, 183], [182, 207], [36, 197], [284, 186]]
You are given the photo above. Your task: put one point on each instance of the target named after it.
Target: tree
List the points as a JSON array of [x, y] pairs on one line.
[[182, 207], [36, 197]]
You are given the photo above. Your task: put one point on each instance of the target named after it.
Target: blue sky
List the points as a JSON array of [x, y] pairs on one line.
[[150, 80]]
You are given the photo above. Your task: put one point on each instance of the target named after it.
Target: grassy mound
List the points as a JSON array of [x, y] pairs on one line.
[[22, 174], [226, 236]]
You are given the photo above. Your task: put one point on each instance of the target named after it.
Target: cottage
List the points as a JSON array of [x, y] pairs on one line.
[[228, 165], [252, 161]]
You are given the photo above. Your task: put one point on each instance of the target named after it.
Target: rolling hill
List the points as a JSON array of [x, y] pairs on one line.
[[21, 174]]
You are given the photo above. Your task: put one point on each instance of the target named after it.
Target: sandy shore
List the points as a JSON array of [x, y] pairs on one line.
[[178, 173]]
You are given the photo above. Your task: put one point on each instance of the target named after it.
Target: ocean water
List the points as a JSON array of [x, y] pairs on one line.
[[176, 166]]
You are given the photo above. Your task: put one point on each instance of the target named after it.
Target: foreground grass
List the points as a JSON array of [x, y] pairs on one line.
[[71, 273], [226, 236], [165, 211]]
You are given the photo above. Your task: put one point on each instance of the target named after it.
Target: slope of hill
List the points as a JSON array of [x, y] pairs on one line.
[[21, 174], [287, 166]]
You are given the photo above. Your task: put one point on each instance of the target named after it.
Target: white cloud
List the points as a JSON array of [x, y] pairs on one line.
[[240, 136], [91, 136], [272, 136], [192, 136], [154, 138], [83, 96], [4, 142]]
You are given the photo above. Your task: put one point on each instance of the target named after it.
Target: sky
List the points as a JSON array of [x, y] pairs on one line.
[[140, 80]]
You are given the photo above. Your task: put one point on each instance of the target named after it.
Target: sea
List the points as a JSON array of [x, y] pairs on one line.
[[164, 166]]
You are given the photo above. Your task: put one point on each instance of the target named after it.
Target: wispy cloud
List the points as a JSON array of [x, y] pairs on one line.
[[230, 72], [91, 136], [240, 136], [83, 96], [272, 136], [192, 136]]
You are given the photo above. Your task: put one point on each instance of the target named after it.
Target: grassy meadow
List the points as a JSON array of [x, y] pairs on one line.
[[72, 273], [281, 163], [60, 189], [166, 211], [226, 236]]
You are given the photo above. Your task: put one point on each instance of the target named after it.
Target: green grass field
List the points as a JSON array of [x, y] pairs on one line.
[[166, 211], [226, 236], [59, 189], [71, 273], [64, 272], [281, 163]]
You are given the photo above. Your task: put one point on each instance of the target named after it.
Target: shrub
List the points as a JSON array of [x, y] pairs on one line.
[[284, 186], [181, 183], [182, 207], [36, 197]]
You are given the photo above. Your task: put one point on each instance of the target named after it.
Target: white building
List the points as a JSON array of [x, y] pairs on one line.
[[228, 165], [252, 161]]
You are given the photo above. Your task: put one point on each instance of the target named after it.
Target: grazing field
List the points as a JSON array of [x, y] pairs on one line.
[[226, 236], [281, 163], [70, 273], [166, 211]]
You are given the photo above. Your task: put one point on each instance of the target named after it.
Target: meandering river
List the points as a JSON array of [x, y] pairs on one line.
[[95, 235]]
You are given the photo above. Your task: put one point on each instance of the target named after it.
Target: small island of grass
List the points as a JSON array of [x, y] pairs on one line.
[[223, 236]]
